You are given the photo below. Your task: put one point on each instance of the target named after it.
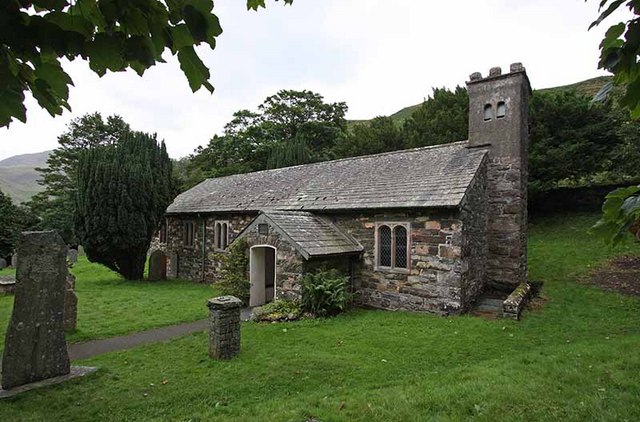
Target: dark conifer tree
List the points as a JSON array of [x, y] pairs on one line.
[[123, 191]]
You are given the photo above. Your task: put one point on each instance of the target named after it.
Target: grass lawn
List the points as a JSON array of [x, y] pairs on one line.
[[576, 358], [109, 306]]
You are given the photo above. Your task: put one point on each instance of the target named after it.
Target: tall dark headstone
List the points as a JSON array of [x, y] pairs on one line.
[[157, 266], [35, 347], [3, 263]]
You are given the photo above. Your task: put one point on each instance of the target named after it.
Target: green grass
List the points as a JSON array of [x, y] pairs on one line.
[[109, 306], [575, 359]]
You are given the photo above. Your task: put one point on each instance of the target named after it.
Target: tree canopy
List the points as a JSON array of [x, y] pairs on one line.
[[619, 52], [111, 35], [14, 219], [288, 128], [55, 205]]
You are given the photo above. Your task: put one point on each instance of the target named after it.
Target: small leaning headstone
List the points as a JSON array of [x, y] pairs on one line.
[[35, 347], [14, 260], [81, 250], [224, 334], [72, 255], [70, 304], [157, 266]]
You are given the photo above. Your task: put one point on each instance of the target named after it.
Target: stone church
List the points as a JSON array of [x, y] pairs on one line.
[[425, 229]]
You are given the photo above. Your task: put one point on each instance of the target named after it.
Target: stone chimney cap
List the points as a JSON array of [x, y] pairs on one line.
[[495, 71], [516, 67], [475, 76]]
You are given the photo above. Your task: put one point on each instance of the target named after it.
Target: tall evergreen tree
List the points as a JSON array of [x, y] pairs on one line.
[[123, 191], [14, 219], [55, 205], [441, 119]]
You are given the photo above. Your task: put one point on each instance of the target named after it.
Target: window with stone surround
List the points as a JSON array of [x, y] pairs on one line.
[[392, 246], [221, 234], [163, 232], [188, 233]]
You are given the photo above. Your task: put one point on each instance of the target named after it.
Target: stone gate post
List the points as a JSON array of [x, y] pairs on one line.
[[224, 334]]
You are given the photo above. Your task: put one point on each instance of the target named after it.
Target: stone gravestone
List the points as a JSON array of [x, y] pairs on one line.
[[224, 334], [35, 347], [70, 304], [173, 266], [157, 266], [3, 263], [72, 255], [81, 250], [14, 260]]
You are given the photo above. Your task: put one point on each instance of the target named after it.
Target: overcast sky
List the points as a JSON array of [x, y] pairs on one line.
[[377, 55]]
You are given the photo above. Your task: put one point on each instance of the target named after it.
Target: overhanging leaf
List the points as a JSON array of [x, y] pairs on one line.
[[106, 52], [197, 73]]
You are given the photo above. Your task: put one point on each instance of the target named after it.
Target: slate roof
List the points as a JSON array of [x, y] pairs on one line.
[[422, 177], [310, 234]]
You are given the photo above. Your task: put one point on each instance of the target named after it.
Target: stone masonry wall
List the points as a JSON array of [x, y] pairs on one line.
[[435, 281], [505, 135], [474, 241], [444, 254], [289, 263], [190, 258]]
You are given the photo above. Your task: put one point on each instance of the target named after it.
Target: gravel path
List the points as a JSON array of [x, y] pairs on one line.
[[93, 348]]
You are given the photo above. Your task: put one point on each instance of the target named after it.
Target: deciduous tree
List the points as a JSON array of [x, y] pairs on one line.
[[619, 53], [111, 35]]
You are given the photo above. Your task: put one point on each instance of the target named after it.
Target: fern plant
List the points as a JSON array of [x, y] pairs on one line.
[[325, 293]]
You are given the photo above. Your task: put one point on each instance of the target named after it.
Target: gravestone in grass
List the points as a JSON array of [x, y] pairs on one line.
[[70, 304], [224, 333], [72, 255], [157, 266], [3, 263], [173, 266], [14, 260], [35, 347]]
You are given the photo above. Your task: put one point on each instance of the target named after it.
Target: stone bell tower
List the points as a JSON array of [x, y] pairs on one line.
[[498, 120]]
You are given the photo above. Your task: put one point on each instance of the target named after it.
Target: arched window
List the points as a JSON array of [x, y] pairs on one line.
[[488, 112], [400, 246], [188, 234], [501, 110], [384, 246], [392, 246], [221, 234], [217, 235]]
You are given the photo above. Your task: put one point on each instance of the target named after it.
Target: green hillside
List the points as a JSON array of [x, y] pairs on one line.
[[18, 176], [589, 87]]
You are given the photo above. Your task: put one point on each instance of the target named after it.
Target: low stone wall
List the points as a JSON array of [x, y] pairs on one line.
[[513, 305]]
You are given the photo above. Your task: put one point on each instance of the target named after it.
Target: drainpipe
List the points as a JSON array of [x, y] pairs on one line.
[[204, 244]]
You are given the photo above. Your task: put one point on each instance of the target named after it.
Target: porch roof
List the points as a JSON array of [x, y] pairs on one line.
[[311, 235]]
